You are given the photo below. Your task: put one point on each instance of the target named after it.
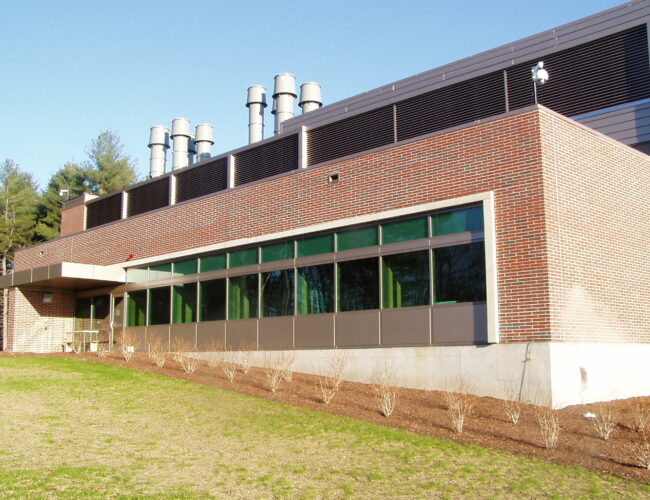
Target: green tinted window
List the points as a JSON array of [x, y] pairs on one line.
[[467, 219], [242, 297], [460, 273], [404, 230], [213, 300], [136, 275], [278, 251], [277, 293], [184, 303], [316, 245], [159, 303], [244, 257], [82, 314], [406, 279], [101, 312], [356, 238], [160, 271], [185, 267], [315, 287], [213, 262], [136, 308]]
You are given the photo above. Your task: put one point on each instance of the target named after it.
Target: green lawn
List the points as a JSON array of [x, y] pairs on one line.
[[75, 429]]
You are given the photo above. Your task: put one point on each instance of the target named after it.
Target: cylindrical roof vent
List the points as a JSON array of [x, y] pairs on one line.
[[191, 151], [310, 97], [159, 144], [203, 139], [284, 94], [181, 136], [256, 102]]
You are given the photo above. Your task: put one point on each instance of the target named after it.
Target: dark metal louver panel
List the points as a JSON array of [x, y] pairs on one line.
[[267, 160], [148, 197], [199, 181], [352, 135], [606, 72], [103, 211], [459, 103]]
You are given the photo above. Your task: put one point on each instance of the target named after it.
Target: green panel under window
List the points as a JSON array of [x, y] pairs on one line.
[[137, 275], [160, 271], [404, 230], [136, 308], [212, 299], [82, 314], [277, 251], [406, 279], [356, 238], [185, 267], [277, 293], [466, 219], [213, 262], [316, 245], [184, 303], [159, 304], [315, 288], [460, 273], [242, 297], [244, 257]]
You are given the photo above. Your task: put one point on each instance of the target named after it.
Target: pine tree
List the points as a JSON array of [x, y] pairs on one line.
[[109, 169]]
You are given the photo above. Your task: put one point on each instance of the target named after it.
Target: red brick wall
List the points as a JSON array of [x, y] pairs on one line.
[[41, 326], [598, 235], [503, 156], [73, 219]]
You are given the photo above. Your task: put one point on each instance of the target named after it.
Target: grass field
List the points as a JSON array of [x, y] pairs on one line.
[[75, 429]]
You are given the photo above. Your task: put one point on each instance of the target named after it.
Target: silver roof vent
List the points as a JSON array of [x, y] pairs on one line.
[[159, 144], [284, 93], [203, 138], [310, 97], [256, 102], [181, 136]]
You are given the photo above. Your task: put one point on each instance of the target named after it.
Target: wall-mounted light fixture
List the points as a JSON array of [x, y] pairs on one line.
[[48, 297]]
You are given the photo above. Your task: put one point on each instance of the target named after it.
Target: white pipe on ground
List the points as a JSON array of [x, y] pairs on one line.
[[310, 97], [284, 94], [256, 102], [181, 136], [159, 144], [203, 138]]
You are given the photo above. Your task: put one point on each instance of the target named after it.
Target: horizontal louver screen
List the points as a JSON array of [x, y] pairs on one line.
[[267, 160], [104, 211], [606, 72], [148, 197], [199, 181], [462, 102], [349, 136]]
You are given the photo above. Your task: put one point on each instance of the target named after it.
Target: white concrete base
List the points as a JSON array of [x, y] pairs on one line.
[[544, 373]]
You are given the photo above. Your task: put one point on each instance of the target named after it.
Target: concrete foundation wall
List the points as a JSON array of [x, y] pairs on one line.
[[541, 373]]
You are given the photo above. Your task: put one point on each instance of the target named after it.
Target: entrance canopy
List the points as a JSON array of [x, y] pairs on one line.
[[66, 276]]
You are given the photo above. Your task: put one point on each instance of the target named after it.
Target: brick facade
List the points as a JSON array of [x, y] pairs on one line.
[[548, 175]]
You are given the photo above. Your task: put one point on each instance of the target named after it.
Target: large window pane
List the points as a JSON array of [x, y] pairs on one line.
[[316, 245], [404, 230], [184, 303], [137, 275], [160, 271], [159, 302], [358, 284], [101, 312], [466, 219], [460, 273], [213, 300], [136, 308], [82, 314], [356, 238], [277, 251], [242, 297], [316, 289], [213, 262], [185, 267], [406, 279], [244, 257], [277, 293]]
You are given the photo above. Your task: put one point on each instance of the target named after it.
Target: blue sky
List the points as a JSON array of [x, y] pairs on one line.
[[71, 69]]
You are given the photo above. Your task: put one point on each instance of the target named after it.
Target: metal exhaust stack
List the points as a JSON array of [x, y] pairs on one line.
[[181, 136], [310, 97], [256, 103], [159, 144], [203, 139], [191, 151], [284, 94]]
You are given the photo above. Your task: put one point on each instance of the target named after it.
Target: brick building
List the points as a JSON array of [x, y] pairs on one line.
[[445, 222]]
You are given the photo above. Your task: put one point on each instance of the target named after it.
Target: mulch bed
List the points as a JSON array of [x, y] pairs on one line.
[[425, 412]]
